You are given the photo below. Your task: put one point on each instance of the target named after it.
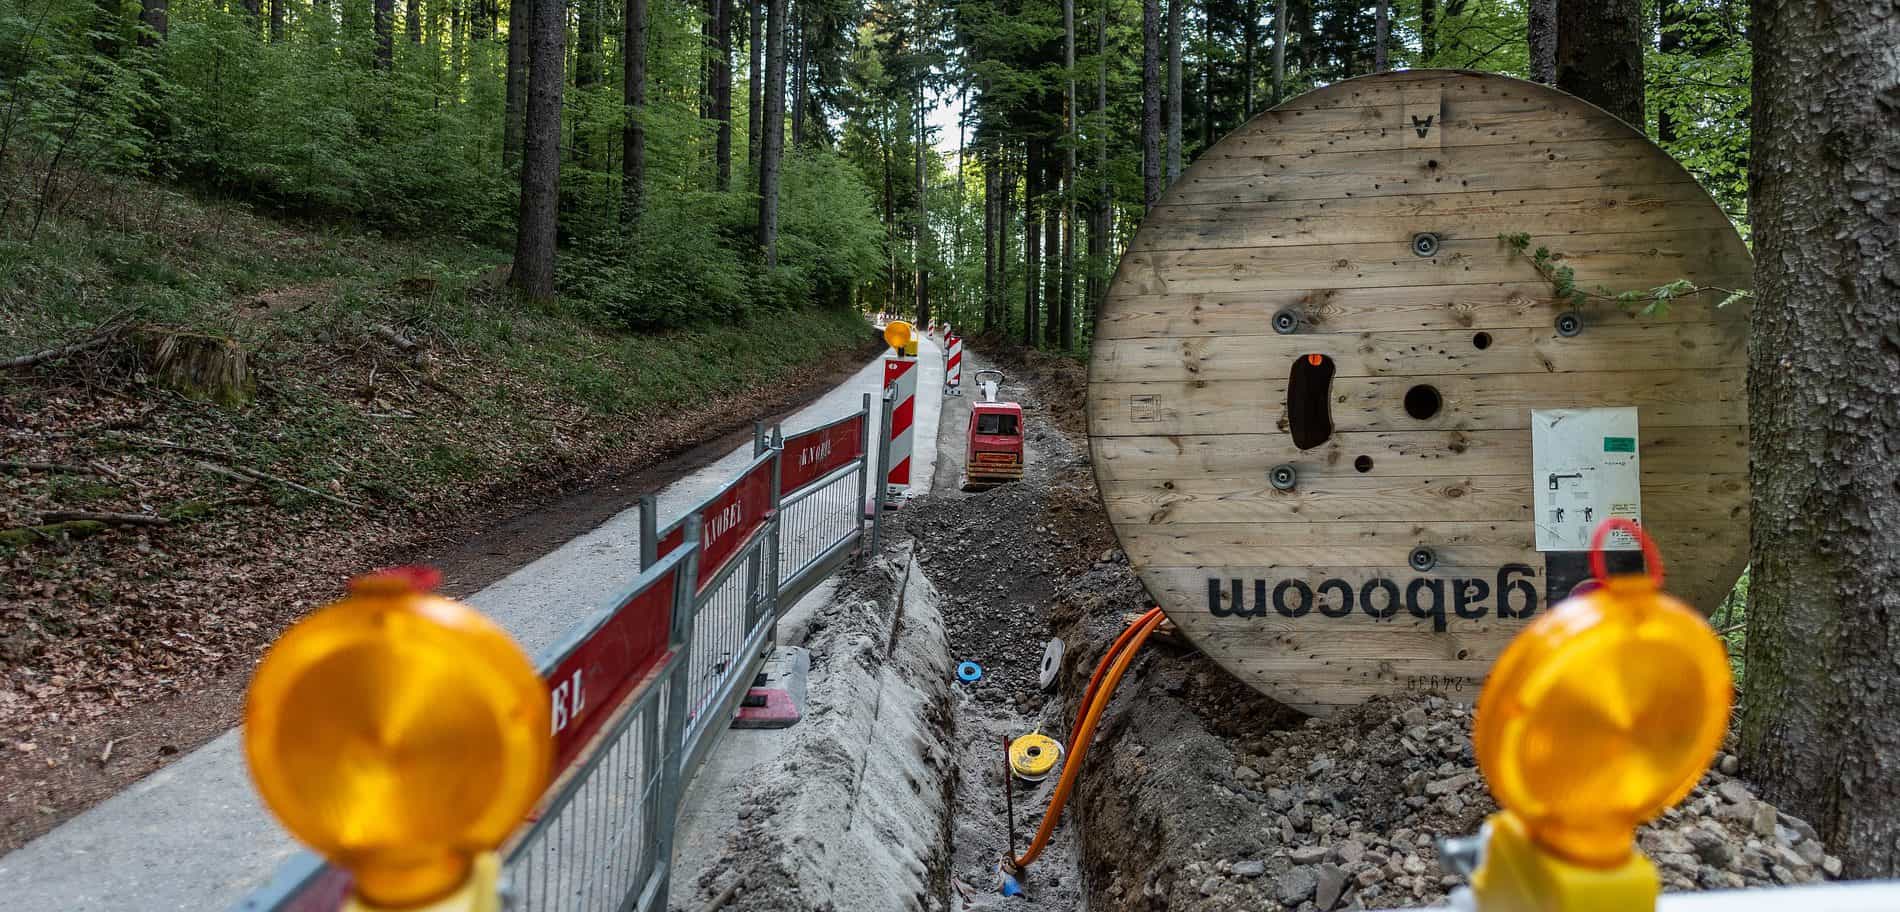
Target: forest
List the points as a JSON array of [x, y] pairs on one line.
[[685, 167], [982, 162]]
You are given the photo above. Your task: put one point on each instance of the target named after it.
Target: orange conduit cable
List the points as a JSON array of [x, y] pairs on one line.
[[1079, 746], [1101, 667]]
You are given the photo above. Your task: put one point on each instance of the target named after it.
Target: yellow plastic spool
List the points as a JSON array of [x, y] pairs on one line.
[[401, 735], [1033, 755]]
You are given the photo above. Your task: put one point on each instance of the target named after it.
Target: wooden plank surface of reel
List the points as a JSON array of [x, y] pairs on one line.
[[1298, 235]]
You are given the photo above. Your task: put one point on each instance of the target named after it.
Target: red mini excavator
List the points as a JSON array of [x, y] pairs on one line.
[[993, 454]]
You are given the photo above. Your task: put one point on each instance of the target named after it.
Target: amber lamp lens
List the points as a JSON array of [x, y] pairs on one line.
[[897, 334], [1600, 714], [399, 734]]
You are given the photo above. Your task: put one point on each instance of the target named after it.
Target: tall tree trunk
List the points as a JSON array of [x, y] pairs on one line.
[[1600, 55], [797, 49], [1032, 239], [1820, 725], [1066, 335], [922, 146], [1669, 43], [588, 40], [772, 142], [1175, 97], [1151, 101], [722, 95], [991, 178], [1541, 32], [1249, 37], [412, 20], [956, 221], [754, 80], [536, 228], [276, 21], [633, 98], [156, 15], [1051, 251], [1428, 32], [1207, 76], [1381, 35], [254, 14], [1104, 201], [1006, 191], [384, 12], [482, 19], [520, 19], [1279, 51]]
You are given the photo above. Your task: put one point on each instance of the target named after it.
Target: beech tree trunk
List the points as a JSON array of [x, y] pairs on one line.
[[520, 17], [722, 95], [754, 80], [990, 179], [1381, 35], [1279, 51], [633, 131], [1820, 725], [1066, 336], [384, 12], [535, 229], [1175, 98], [587, 54], [772, 141], [1032, 240], [1249, 36], [1541, 32], [1600, 55], [156, 15], [1151, 101]]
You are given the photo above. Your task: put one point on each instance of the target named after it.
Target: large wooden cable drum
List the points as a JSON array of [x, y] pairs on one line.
[[1347, 434]]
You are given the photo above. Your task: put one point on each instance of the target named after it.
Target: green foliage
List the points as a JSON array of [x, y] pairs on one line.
[[1648, 302]]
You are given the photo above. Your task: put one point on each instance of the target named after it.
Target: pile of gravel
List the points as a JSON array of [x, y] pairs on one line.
[[1352, 806]]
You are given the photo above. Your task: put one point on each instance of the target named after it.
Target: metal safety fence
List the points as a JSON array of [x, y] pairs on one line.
[[642, 689]]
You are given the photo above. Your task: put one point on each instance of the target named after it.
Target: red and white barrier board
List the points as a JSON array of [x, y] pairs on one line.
[[900, 374], [605, 667], [726, 522], [817, 453], [953, 361]]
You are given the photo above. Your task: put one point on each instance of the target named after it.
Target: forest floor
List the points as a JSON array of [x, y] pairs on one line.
[[385, 402], [1199, 794]]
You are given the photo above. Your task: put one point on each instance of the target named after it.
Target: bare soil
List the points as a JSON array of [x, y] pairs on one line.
[[169, 675]]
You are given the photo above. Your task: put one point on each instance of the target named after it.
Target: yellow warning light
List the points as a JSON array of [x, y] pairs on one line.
[[1603, 712], [898, 334], [399, 734]]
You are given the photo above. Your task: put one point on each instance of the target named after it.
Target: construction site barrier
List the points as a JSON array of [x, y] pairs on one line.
[[644, 688]]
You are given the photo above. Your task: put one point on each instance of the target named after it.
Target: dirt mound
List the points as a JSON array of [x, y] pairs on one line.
[[1189, 811]]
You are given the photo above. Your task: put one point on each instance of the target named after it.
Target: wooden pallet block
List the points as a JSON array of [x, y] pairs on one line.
[[1311, 209]]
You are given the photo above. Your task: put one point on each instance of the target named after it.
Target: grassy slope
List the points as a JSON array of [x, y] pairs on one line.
[[496, 400]]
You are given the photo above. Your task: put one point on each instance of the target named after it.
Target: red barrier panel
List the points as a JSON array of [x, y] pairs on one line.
[[815, 454], [726, 522], [592, 680]]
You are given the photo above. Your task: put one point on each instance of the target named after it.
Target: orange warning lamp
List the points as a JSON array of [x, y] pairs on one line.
[[1599, 715], [898, 334], [401, 735]]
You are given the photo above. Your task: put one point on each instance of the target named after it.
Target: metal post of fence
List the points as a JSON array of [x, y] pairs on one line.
[[863, 472], [778, 529], [758, 437], [883, 469], [649, 531], [673, 737]]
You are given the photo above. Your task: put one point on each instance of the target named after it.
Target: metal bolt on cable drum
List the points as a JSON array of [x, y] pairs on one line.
[[1032, 756]]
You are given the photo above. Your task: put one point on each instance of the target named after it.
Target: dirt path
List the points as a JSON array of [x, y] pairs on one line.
[[74, 764]]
